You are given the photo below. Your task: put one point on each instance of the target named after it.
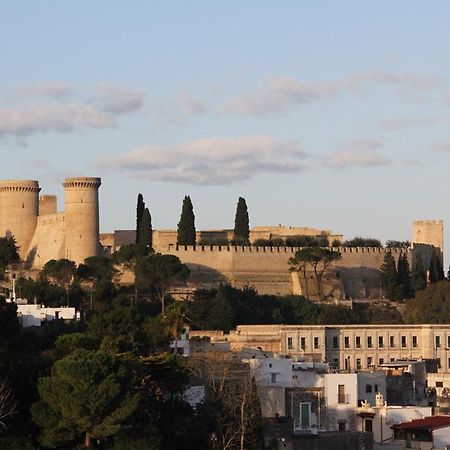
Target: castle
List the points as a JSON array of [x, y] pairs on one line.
[[41, 232]]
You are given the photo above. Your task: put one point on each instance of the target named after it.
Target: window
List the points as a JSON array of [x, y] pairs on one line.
[[391, 341], [369, 341], [448, 341], [376, 388], [270, 365], [290, 346], [358, 342], [380, 341], [380, 361], [346, 342], [368, 388], [438, 360], [403, 341], [316, 342], [392, 359], [342, 425], [335, 342], [273, 377], [335, 364], [369, 361], [368, 425], [347, 363], [439, 384], [358, 363], [414, 341], [302, 343], [449, 363], [305, 409], [341, 393], [437, 341]]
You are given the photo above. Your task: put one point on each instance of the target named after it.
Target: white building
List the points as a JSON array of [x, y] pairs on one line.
[[33, 315]]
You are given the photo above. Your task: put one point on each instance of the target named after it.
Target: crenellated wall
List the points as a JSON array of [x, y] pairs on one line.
[[356, 274]]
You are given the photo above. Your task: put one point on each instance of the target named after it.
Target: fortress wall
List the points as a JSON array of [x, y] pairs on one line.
[[47, 205], [357, 274], [48, 240], [429, 232]]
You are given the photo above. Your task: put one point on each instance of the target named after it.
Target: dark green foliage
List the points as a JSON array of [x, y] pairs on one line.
[[241, 224], [274, 242], [128, 254], [69, 343], [435, 271], [389, 276], [61, 271], [88, 395], [245, 306], [336, 243], [398, 244], [156, 273], [8, 252], [404, 285], [186, 225], [430, 305], [99, 268], [140, 206], [216, 241], [145, 229], [359, 241], [418, 275], [307, 241]]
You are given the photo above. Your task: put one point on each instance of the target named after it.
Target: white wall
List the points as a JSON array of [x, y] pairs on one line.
[[441, 438], [34, 315]]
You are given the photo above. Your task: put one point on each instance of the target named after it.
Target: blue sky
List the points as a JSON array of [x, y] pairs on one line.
[[323, 114]]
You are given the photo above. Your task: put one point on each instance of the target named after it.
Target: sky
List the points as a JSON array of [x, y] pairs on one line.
[[326, 114]]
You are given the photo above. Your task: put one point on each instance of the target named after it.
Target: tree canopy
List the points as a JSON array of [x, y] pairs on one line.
[[88, 395], [8, 251], [359, 241]]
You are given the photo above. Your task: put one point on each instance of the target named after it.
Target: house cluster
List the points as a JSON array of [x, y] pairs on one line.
[[388, 385]]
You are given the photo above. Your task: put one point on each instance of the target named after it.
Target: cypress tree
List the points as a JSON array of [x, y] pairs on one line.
[[140, 207], [418, 275], [436, 272], [404, 277], [145, 229], [241, 223], [186, 225], [389, 276]]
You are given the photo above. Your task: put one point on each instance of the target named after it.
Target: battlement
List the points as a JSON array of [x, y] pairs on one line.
[[50, 218], [82, 183], [283, 249], [19, 186]]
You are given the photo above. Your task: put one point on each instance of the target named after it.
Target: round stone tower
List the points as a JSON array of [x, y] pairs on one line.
[[81, 217], [19, 209]]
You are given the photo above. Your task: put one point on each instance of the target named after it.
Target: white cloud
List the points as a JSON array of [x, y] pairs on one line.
[[177, 109], [61, 107], [210, 161], [441, 146], [404, 122], [117, 100], [359, 153], [25, 120], [279, 94]]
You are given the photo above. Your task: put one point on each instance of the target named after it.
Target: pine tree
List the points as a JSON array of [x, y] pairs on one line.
[[145, 229], [140, 207], [389, 276], [241, 223], [418, 275], [436, 272], [186, 225]]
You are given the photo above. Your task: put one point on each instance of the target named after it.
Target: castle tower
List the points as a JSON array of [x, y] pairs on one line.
[[429, 232], [81, 217], [19, 208]]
